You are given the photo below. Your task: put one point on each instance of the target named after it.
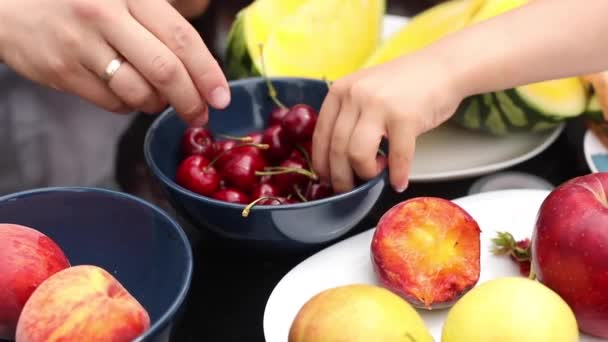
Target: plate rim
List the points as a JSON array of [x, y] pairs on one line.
[[589, 135], [478, 197], [463, 173]]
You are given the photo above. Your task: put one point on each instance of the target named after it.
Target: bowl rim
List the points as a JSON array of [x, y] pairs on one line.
[[169, 112], [173, 309]]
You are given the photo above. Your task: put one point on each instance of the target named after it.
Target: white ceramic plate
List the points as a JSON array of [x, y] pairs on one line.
[[596, 154], [349, 262], [449, 153]]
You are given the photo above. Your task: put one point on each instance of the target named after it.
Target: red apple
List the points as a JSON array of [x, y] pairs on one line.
[[27, 258], [570, 248], [427, 250], [82, 303]]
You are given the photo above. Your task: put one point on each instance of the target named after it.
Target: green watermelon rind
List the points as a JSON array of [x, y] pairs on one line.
[[238, 59], [594, 110]]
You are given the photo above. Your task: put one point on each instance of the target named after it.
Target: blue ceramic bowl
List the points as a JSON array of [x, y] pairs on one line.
[[136, 242], [286, 226]]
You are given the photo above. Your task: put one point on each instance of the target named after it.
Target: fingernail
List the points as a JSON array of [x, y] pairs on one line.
[[401, 189], [220, 97]]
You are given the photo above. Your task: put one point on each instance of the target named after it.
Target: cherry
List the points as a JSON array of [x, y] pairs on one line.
[[264, 189], [240, 170], [316, 191], [195, 173], [229, 148], [277, 115], [197, 140], [256, 137], [231, 196], [303, 152], [299, 123], [291, 173], [278, 146]]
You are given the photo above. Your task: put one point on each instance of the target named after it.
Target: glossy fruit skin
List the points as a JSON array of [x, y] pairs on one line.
[[299, 124], [317, 191], [279, 146], [195, 174], [277, 115], [570, 248], [287, 181], [231, 196], [197, 140], [480, 315], [358, 313], [256, 137], [229, 148], [264, 189], [27, 259], [240, 171]]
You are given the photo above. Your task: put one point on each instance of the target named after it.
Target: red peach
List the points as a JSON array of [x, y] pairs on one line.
[[27, 258], [82, 303]]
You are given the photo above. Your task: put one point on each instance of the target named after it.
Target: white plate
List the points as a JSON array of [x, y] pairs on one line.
[[349, 262], [596, 154], [449, 153]]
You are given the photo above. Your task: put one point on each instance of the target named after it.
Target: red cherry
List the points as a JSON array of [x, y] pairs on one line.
[[264, 189], [231, 196], [299, 123], [196, 174], [278, 146], [289, 175], [240, 170], [297, 152], [197, 140], [277, 115], [229, 148], [316, 191], [256, 137]]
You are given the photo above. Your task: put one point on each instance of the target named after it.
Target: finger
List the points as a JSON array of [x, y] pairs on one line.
[[342, 177], [159, 66], [88, 86], [402, 143], [364, 144], [322, 135], [126, 83], [166, 23]]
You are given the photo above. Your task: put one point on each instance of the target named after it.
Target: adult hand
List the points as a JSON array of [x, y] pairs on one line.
[[399, 100], [69, 44]]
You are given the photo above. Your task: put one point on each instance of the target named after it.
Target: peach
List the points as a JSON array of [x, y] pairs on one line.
[[81, 303], [27, 258], [427, 250]]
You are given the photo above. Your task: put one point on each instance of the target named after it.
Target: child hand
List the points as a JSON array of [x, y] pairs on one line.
[[399, 100]]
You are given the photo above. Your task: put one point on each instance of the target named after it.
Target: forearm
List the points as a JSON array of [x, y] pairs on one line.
[[546, 39]]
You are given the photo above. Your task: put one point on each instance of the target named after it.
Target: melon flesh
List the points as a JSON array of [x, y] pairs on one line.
[[324, 38], [426, 28], [563, 97]]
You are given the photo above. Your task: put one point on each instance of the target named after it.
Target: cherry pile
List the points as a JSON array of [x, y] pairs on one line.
[[269, 167]]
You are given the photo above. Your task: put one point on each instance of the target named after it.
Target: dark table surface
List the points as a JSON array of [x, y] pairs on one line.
[[231, 284]]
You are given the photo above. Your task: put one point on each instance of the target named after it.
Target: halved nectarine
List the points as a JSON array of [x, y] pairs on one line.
[[427, 250]]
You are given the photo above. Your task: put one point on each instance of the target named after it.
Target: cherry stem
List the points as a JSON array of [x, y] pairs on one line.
[[279, 170], [232, 137], [271, 90], [306, 156], [532, 275], [223, 153], [247, 209], [299, 193]]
